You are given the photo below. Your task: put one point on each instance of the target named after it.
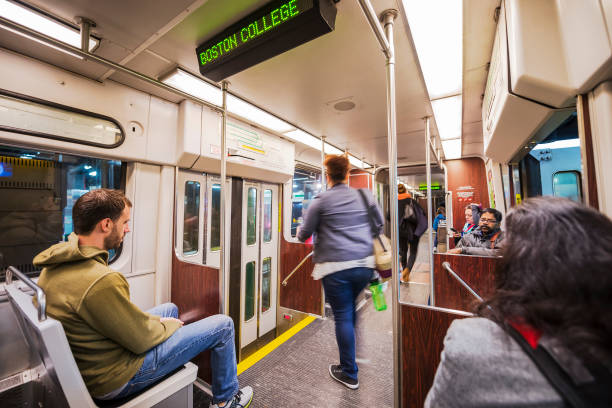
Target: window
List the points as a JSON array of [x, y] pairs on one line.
[[37, 192], [249, 303], [191, 218], [267, 216], [215, 218], [32, 116], [567, 184], [266, 280], [251, 216], [306, 185]]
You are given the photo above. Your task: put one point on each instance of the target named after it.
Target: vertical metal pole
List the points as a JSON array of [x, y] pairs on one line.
[[222, 269], [429, 214], [323, 180], [387, 17]]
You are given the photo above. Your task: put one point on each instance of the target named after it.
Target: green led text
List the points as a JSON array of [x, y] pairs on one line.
[[253, 30]]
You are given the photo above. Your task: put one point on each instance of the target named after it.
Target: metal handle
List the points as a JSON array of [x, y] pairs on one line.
[[40, 295], [296, 268], [446, 266]]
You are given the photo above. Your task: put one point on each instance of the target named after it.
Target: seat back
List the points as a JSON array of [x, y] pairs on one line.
[[47, 336]]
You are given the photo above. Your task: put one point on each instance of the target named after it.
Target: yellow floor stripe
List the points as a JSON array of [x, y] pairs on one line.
[[268, 348]]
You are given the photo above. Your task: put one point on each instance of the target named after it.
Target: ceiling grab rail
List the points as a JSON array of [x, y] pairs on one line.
[[296, 268], [41, 299], [447, 266]]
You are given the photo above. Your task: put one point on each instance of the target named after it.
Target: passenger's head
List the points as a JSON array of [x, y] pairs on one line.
[[401, 189], [472, 214], [441, 210], [556, 274], [337, 168], [490, 219], [104, 212]]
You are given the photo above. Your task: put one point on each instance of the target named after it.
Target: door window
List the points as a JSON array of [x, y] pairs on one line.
[[267, 216], [266, 280], [249, 304], [251, 216], [215, 218], [191, 221], [567, 184]]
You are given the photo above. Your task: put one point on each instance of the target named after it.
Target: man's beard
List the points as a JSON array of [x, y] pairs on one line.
[[113, 241]]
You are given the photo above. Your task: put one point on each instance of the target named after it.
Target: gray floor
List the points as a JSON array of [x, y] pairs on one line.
[[296, 373]]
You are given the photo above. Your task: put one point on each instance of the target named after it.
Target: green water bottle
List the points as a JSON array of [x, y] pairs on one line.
[[378, 297]]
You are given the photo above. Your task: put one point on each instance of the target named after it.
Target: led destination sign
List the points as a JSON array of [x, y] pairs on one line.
[[271, 30]]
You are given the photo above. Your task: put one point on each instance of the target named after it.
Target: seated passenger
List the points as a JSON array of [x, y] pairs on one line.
[[484, 240], [118, 348], [553, 298], [472, 216]]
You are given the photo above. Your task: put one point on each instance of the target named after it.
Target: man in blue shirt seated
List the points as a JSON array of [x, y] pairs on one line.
[[486, 240]]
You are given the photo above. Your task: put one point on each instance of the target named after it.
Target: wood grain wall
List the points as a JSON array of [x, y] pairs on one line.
[[302, 292], [360, 179], [423, 332], [195, 290], [477, 271], [467, 179]]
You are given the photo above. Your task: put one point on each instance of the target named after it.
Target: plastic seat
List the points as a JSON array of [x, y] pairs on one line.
[[48, 337]]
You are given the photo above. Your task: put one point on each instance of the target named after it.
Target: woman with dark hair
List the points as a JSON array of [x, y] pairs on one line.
[[554, 298], [343, 255]]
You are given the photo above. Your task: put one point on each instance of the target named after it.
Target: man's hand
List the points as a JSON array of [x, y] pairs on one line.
[[454, 251], [166, 319]]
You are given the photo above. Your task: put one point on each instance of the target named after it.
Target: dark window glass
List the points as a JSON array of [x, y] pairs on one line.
[[249, 299], [267, 216], [266, 280], [37, 192], [251, 216], [215, 218], [191, 218], [306, 185]]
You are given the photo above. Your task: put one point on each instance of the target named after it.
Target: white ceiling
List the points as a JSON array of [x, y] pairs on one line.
[[301, 85]]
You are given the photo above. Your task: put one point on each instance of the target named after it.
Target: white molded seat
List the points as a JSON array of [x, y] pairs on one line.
[[48, 335]]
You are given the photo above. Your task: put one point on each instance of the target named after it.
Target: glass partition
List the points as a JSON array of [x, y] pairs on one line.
[[306, 185]]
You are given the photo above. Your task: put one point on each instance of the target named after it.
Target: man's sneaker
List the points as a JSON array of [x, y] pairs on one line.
[[241, 400], [337, 374]]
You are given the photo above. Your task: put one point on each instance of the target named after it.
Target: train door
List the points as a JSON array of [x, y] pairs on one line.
[[259, 261]]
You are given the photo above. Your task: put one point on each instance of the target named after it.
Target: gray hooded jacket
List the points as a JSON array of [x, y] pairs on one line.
[[477, 243]]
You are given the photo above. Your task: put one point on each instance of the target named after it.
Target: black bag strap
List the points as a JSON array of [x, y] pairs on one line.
[[551, 370], [369, 210]]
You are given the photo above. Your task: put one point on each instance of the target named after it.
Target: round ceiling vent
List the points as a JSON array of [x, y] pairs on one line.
[[344, 106]]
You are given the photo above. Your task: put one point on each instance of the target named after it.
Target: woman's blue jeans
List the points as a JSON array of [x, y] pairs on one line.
[[341, 290], [214, 332]]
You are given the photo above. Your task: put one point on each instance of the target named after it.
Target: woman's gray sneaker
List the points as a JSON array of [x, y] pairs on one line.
[[241, 400], [337, 374]]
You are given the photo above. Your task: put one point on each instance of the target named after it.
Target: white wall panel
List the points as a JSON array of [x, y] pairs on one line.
[[163, 265], [126, 105], [189, 132], [141, 290], [145, 218], [162, 128]]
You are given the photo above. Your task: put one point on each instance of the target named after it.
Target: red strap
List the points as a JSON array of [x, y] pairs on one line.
[[531, 335], [493, 238]]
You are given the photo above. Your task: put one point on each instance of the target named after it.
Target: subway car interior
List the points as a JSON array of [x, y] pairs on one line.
[[214, 118]]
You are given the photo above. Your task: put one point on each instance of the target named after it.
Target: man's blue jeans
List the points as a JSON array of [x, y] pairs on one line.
[[341, 290], [215, 333]]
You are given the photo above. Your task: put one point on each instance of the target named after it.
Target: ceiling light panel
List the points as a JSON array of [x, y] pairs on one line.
[[194, 86], [356, 162], [254, 114], [43, 24], [447, 112], [452, 149], [437, 31], [305, 138], [329, 149]]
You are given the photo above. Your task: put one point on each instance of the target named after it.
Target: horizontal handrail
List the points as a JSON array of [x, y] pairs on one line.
[[296, 268], [447, 266], [40, 295]]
